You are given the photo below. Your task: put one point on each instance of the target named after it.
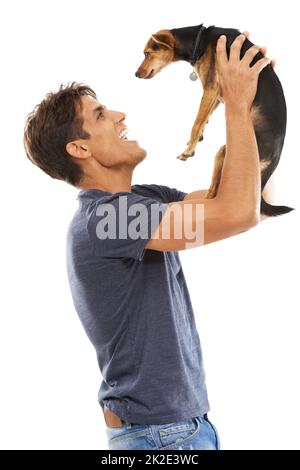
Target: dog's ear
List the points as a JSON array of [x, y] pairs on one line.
[[164, 38]]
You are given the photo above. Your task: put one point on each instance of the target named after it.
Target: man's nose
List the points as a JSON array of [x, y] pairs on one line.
[[120, 116]]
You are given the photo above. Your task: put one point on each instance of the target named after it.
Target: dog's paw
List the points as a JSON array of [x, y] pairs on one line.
[[211, 193], [185, 155]]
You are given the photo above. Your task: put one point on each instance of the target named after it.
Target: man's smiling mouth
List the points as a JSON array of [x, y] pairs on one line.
[[123, 134]]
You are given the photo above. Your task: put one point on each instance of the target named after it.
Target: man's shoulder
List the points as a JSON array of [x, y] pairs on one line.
[[153, 191], [159, 192]]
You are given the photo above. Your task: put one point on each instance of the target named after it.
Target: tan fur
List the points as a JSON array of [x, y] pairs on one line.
[[257, 117], [217, 171], [264, 164], [157, 59]]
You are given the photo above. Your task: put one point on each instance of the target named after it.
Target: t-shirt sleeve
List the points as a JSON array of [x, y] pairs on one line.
[[121, 224], [164, 193], [173, 194]]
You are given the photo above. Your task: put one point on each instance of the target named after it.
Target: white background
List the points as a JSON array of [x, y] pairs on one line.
[[244, 290]]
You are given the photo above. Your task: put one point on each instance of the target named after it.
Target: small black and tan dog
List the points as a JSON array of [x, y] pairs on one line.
[[197, 45]]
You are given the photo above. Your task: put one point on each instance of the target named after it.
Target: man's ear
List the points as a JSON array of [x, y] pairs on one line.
[[78, 149], [164, 38]]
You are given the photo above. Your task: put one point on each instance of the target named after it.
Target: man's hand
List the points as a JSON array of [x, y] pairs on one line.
[[238, 81], [236, 207]]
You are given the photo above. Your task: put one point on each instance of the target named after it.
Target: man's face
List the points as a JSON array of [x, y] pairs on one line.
[[104, 127]]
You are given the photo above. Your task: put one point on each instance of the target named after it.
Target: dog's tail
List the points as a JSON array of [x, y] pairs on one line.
[[272, 211]]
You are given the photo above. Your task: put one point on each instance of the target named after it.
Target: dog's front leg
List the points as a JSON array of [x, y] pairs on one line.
[[208, 104]]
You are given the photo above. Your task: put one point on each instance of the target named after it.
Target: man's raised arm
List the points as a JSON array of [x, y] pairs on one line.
[[236, 207]]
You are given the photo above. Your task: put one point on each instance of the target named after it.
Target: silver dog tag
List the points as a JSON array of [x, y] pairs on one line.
[[193, 76]]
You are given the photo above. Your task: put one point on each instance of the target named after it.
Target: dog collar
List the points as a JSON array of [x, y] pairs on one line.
[[193, 75]]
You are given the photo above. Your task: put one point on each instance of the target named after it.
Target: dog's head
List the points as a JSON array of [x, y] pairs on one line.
[[159, 52]]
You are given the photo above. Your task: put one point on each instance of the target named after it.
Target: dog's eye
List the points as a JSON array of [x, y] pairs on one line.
[[146, 54], [155, 46]]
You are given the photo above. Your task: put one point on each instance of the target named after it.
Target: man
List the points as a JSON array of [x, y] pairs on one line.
[[125, 274]]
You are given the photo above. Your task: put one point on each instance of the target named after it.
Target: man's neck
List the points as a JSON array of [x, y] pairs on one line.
[[113, 183]]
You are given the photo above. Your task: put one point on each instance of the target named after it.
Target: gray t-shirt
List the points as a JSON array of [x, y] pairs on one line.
[[136, 310]]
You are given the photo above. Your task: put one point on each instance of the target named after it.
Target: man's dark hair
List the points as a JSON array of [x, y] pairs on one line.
[[51, 125]]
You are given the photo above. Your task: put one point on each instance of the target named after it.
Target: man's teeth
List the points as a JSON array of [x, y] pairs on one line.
[[123, 134]]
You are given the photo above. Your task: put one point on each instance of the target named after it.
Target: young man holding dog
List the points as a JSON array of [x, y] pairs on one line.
[[129, 290]]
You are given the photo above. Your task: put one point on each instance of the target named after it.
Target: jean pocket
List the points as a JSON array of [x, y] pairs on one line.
[[218, 444], [129, 439], [179, 433]]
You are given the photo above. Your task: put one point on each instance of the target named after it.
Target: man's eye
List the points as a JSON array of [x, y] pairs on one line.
[[101, 114]]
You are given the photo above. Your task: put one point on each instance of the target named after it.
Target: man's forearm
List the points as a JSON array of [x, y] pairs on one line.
[[240, 181]]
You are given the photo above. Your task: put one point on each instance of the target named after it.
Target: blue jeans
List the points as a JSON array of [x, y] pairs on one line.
[[193, 433]]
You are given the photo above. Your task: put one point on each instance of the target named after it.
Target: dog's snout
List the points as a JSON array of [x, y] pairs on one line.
[[137, 74]]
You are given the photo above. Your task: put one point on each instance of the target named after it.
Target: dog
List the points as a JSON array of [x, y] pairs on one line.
[[197, 45]]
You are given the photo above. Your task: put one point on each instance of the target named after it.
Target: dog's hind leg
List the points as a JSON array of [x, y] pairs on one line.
[[217, 171]]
